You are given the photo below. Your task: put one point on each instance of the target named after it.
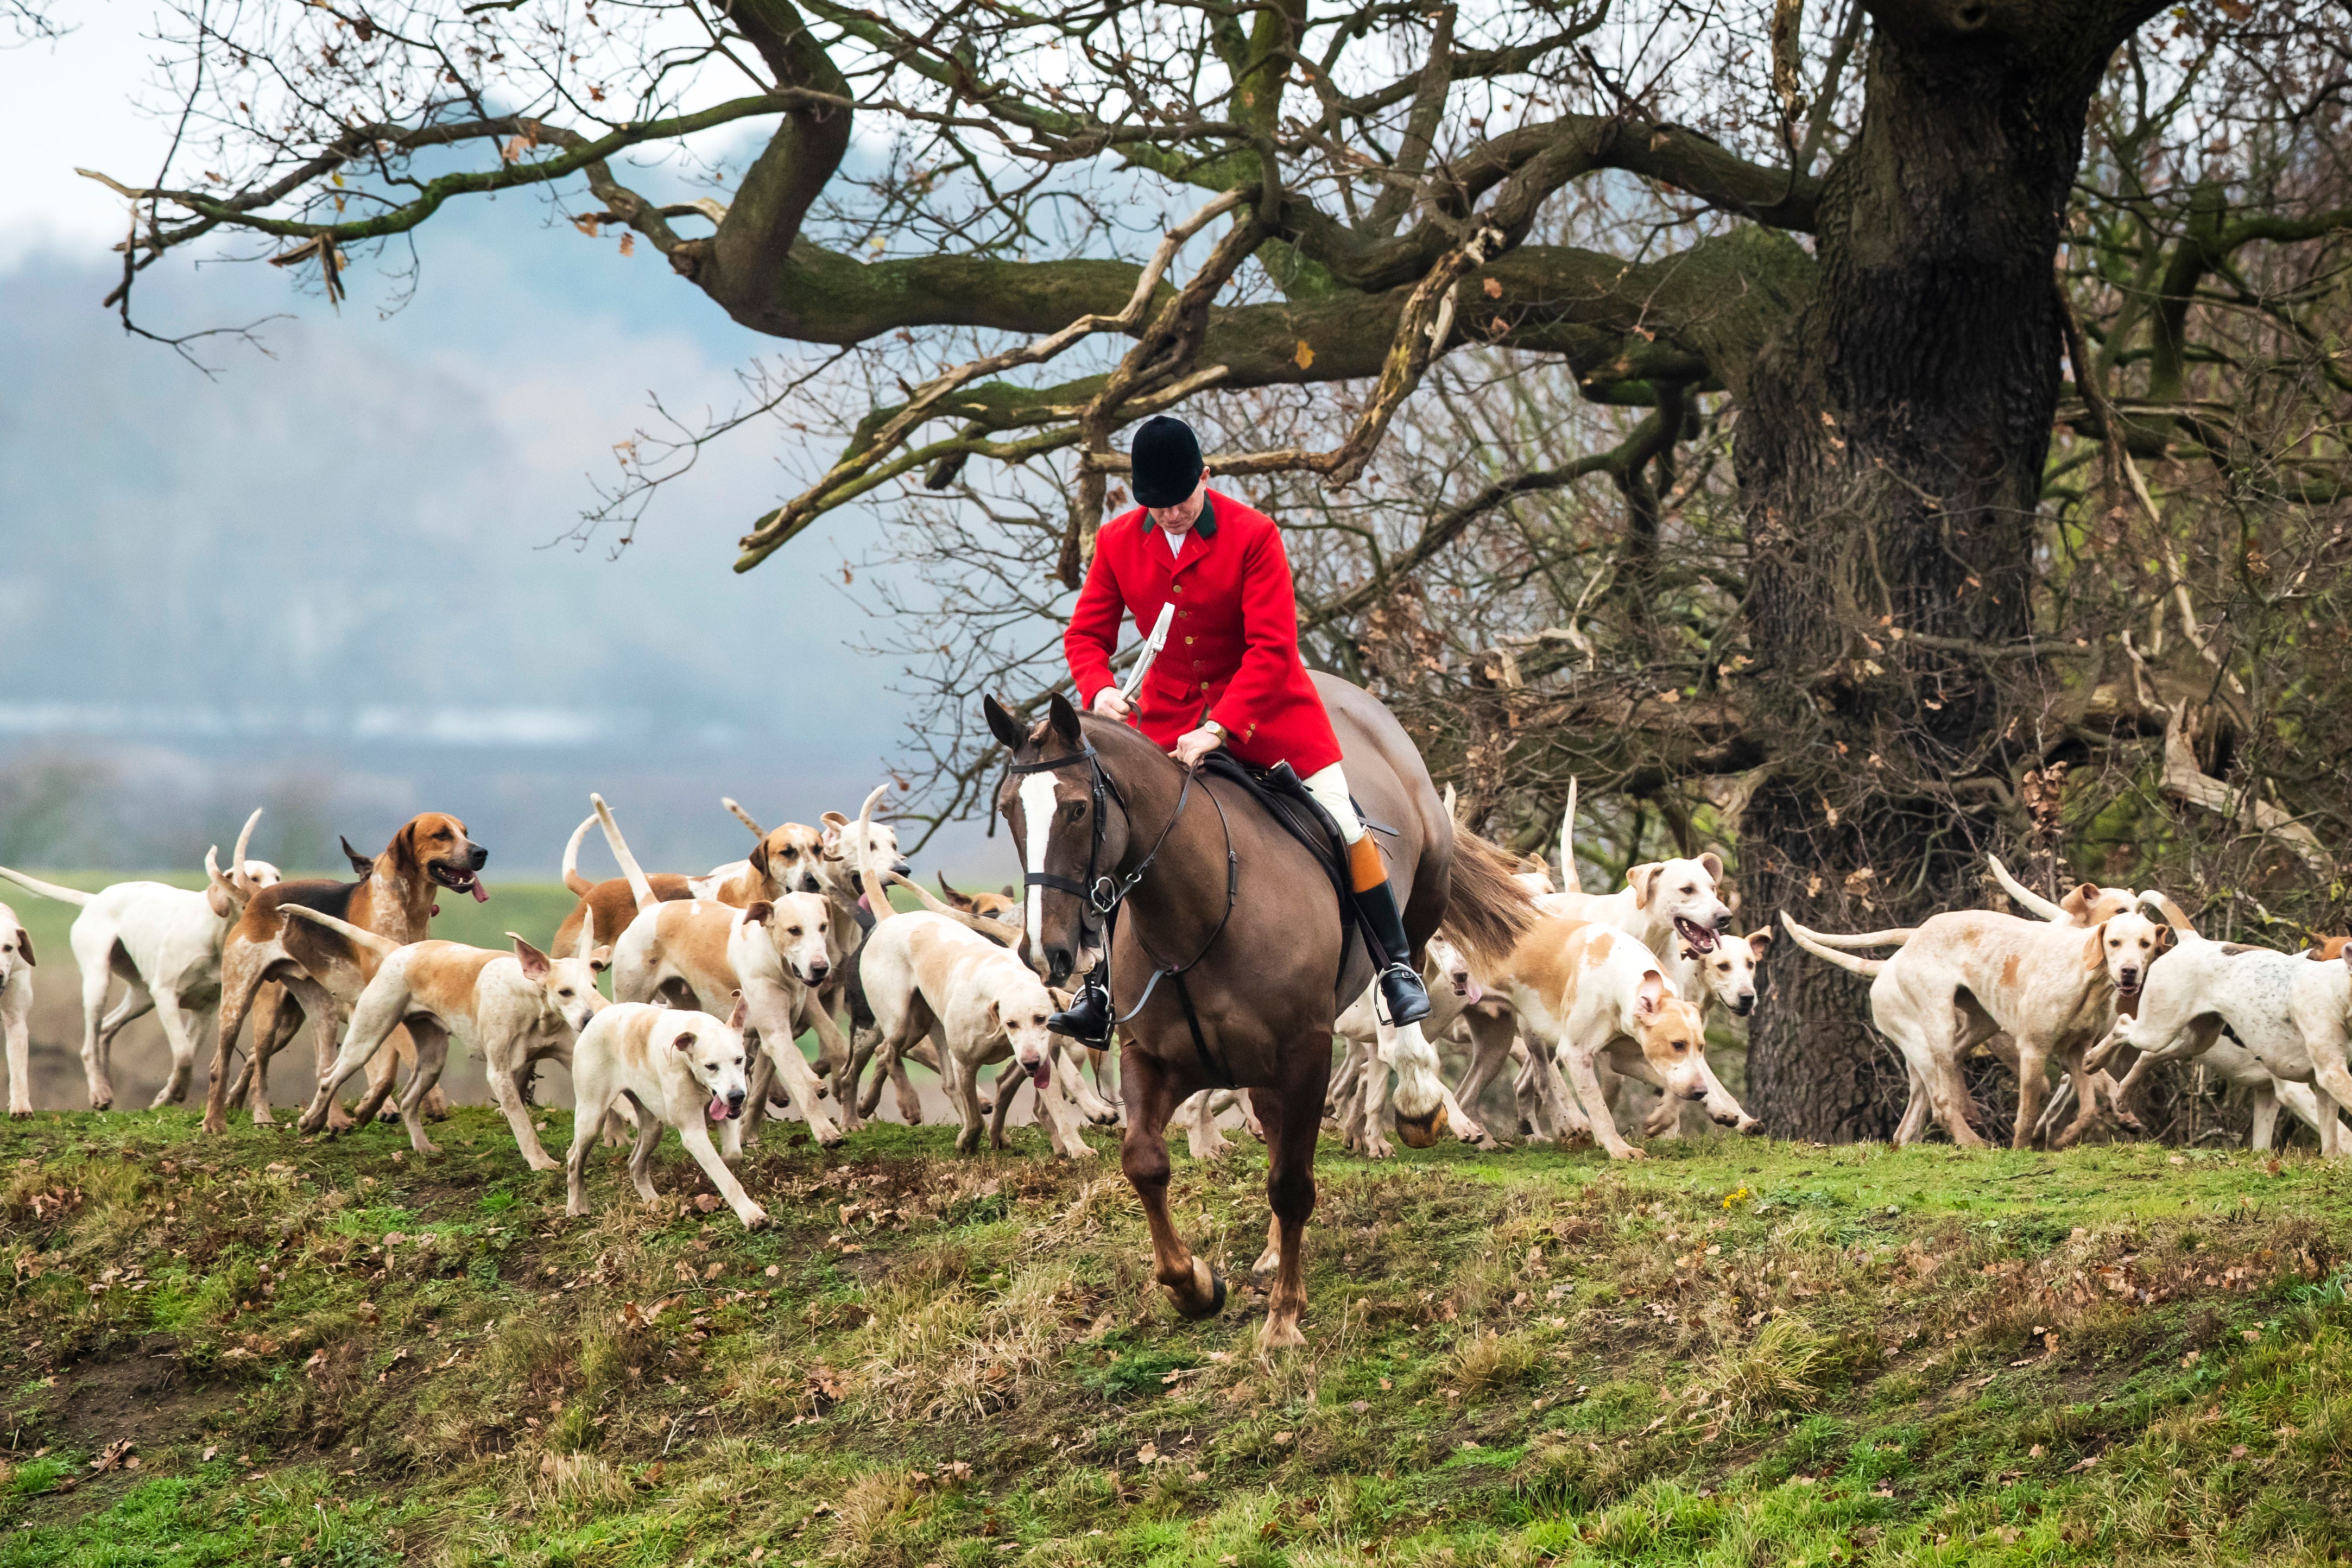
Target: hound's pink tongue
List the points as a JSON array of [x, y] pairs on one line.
[[717, 1109], [1039, 1073], [864, 905], [481, 894], [1476, 995]]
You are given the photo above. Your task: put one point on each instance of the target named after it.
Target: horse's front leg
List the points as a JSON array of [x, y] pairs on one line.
[[1196, 1290], [1290, 1114]]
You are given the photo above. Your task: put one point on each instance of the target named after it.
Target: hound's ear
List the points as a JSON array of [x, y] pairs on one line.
[[364, 864], [995, 1017], [1064, 718], [740, 1016], [1760, 941], [960, 901], [1011, 893], [1642, 879], [829, 841], [25, 945], [1652, 994], [1003, 724], [1714, 864], [2164, 936], [2078, 902], [600, 960], [684, 1042], [1063, 1000], [535, 966], [759, 858], [757, 912], [2094, 950]]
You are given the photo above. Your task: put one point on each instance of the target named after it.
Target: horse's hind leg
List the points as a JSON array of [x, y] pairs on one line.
[[1195, 1289]]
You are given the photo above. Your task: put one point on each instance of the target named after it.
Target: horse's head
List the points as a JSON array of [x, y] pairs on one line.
[[1068, 826]]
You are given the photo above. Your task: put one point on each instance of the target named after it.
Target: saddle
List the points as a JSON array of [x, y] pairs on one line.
[[1280, 792]]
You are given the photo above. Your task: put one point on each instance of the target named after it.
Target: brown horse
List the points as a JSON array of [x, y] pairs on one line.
[[1229, 959]]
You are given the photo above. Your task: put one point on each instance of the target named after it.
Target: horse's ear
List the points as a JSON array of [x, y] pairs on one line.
[[1003, 724], [1063, 717]]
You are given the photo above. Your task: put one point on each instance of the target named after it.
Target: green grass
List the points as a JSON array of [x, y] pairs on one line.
[[1731, 1352]]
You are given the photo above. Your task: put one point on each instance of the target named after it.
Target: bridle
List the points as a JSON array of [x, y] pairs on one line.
[[1102, 892]]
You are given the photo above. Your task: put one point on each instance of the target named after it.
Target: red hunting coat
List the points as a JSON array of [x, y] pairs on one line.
[[1233, 648]]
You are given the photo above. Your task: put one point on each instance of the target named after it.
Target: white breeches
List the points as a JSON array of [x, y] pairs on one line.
[[1329, 789]]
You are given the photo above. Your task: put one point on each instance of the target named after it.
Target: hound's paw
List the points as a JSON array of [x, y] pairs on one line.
[[755, 1219]]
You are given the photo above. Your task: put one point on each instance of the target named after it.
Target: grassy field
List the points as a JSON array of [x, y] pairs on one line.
[[253, 1350]]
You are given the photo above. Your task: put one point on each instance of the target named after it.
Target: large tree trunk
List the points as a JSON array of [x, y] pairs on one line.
[[1890, 458]]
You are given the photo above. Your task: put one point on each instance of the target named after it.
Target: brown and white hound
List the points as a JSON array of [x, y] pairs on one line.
[[321, 971]]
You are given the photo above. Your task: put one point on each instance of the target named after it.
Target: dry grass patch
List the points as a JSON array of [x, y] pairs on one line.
[[1780, 1369], [961, 1352], [1490, 1361]]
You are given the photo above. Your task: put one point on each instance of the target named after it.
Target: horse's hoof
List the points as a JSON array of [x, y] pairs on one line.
[[1216, 1292], [1280, 1336], [1422, 1132]]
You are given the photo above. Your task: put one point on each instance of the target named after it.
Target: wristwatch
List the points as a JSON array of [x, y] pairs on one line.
[[1216, 729]]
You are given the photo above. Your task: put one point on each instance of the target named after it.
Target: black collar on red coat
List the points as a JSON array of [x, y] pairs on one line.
[[1205, 525]]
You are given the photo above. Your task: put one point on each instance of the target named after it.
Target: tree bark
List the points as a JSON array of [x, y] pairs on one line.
[[1890, 457]]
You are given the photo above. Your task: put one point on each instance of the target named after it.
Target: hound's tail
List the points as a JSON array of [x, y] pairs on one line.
[[1815, 943], [1568, 880], [642, 889], [1894, 936], [581, 887], [877, 892], [2025, 896], [384, 946], [2157, 905], [1486, 910], [743, 816], [995, 930], [46, 890]]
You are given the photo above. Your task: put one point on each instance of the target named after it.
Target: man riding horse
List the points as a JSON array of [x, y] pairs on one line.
[[1230, 674]]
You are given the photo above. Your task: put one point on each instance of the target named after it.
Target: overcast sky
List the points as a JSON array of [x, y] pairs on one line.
[[323, 578]]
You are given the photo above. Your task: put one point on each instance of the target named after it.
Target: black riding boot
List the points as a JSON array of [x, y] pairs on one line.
[[1088, 1018], [1401, 993]]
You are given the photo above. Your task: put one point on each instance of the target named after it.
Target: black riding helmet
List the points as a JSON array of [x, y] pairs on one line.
[[1167, 457]]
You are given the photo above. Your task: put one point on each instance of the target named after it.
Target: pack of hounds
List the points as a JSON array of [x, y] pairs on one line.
[[716, 977]]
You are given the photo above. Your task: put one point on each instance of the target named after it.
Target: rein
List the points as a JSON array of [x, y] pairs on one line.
[[1102, 893]]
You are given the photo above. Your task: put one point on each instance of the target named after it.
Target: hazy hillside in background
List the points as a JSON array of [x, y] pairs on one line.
[[322, 582]]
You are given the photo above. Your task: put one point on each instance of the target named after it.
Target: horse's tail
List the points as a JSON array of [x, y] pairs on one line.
[[1486, 910]]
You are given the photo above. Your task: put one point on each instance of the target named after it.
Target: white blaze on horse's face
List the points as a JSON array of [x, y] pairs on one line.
[[1037, 818]]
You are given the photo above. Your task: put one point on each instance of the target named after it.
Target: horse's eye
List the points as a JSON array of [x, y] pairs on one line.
[[1077, 810]]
